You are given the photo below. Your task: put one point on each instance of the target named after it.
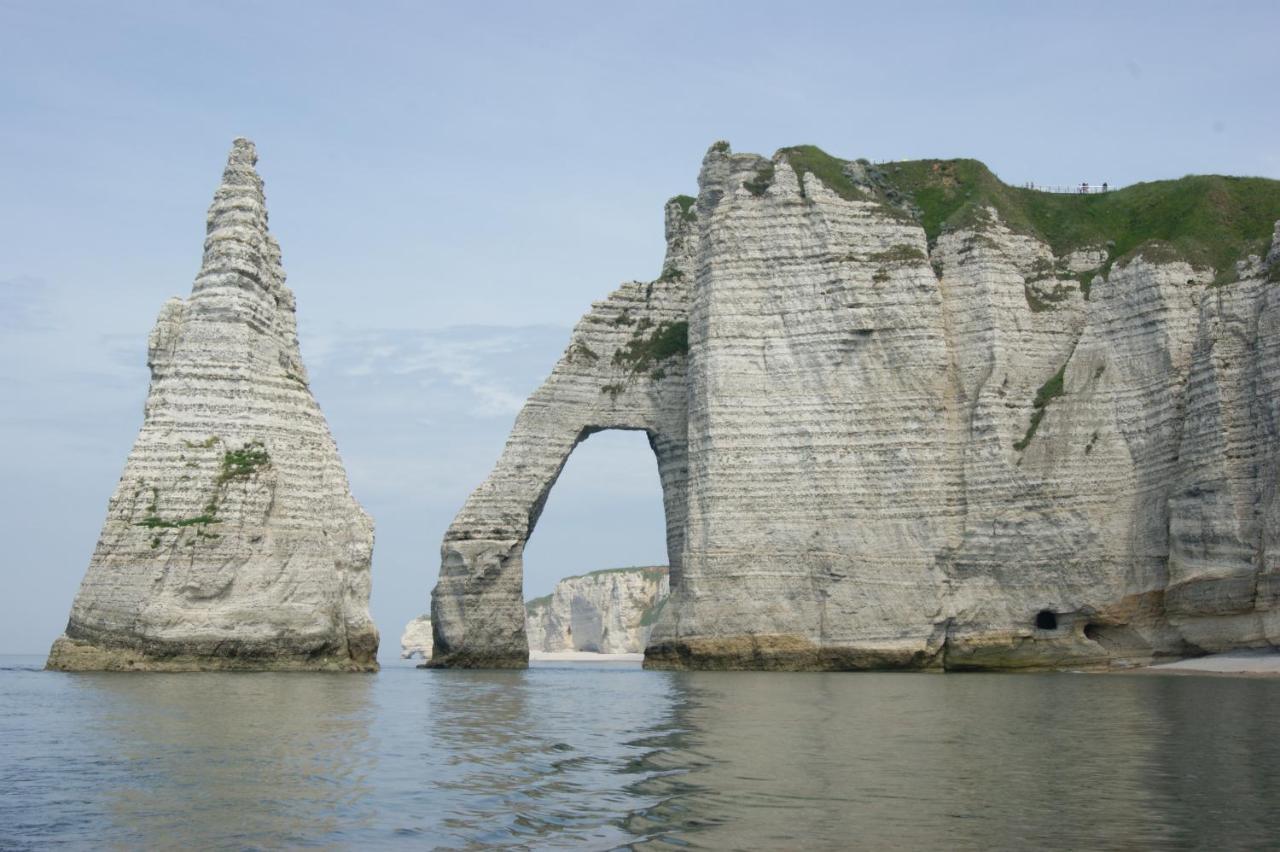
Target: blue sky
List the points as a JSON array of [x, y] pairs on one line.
[[453, 184]]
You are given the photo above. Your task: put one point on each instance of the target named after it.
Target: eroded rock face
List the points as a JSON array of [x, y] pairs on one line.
[[623, 369], [415, 641], [606, 612], [232, 540], [968, 452]]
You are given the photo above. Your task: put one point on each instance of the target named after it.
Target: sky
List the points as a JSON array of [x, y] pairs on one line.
[[452, 184]]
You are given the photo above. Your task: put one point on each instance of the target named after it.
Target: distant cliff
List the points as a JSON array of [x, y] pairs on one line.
[[415, 641], [907, 416], [608, 612], [232, 540]]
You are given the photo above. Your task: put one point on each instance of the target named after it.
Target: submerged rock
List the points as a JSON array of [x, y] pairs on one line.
[[920, 419], [232, 540]]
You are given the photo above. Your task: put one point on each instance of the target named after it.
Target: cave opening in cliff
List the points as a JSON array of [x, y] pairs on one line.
[[604, 513], [1046, 620]]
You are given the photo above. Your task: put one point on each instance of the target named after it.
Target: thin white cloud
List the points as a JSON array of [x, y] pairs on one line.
[[488, 371]]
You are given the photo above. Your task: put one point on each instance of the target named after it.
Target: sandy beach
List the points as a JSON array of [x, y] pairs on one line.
[[582, 657], [1240, 663]]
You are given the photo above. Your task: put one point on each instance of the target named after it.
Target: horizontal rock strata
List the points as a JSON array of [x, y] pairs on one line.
[[623, 369], [232, 540], [930, 425]]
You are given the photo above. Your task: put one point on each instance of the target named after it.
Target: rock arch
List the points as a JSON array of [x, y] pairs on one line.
[[624, 369]]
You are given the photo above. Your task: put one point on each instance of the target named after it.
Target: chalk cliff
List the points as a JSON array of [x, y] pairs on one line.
[[605, 612], [415, 641], [608, 612], [929, 421], [232, 540]]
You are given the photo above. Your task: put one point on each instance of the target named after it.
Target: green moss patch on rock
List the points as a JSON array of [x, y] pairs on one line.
[[688, 211], [243, 463], [762, 181], [1048, 392], [644, 351], [238, 464]]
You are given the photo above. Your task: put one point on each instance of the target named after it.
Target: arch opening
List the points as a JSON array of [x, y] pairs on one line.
[[597, 556]]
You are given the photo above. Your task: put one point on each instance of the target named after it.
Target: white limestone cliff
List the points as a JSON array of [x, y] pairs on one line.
[[606, 612], [232, 540], [929, 449], [415, 641]]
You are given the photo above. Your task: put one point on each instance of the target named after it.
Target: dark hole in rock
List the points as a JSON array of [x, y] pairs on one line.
[[1046, 620], [1092, 632]]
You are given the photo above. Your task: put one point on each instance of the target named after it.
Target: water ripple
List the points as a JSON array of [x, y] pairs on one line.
[[608, 757]]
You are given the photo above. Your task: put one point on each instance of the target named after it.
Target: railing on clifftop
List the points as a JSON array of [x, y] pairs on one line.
[[1078, 189]]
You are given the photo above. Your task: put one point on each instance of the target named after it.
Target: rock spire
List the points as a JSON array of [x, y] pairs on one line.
[[232, 540]]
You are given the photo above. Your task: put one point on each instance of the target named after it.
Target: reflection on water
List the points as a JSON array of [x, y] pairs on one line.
[[283, 757], [601, 757]]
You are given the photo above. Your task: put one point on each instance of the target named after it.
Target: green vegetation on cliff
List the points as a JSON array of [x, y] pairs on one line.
[[238, 464], [687, 211], [1207, 220], [1048, 392], [810, 159], [242, 463], [642, 351], [762, 181]]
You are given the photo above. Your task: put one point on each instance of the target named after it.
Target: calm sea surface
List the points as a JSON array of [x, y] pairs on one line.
[[597, 757]]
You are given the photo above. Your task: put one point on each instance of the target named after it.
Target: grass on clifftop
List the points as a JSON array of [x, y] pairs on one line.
[[810, 159], [687, 211], [1207, 220]]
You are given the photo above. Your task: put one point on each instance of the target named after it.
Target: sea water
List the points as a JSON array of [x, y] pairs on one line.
[[600, 756]]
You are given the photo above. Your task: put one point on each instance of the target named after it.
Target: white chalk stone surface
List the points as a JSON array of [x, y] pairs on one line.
[[855, 468], [232, 540]]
